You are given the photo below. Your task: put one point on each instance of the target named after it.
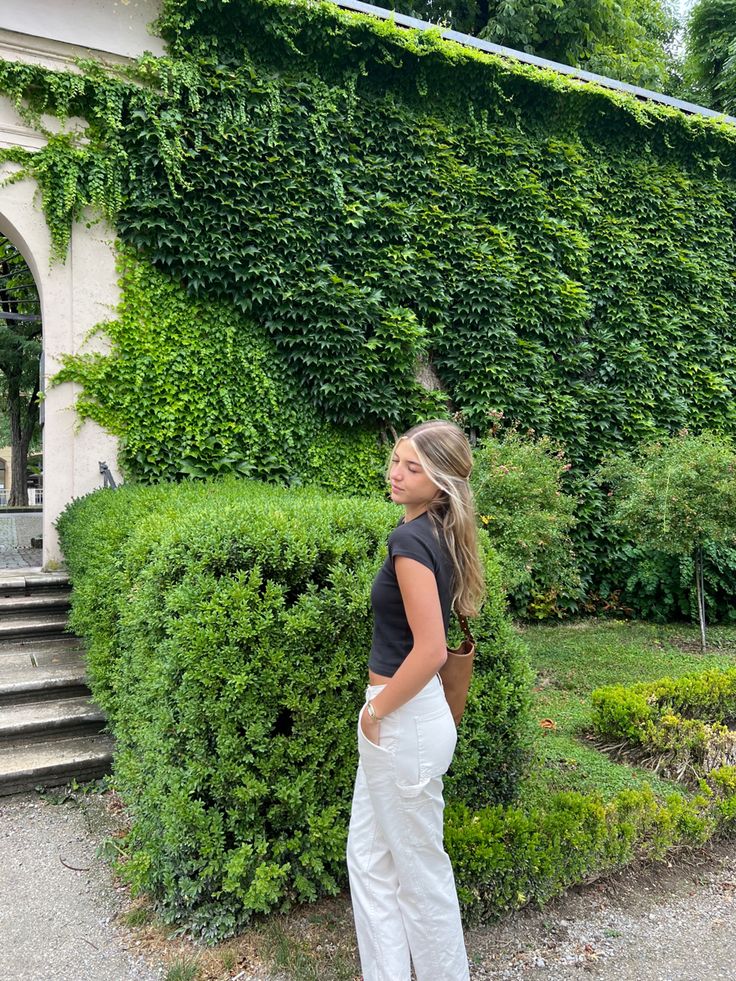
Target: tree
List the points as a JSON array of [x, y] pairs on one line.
[[20, 352], [517, 483], [710, 63], [624, 39], [678, 495], [466, 16]]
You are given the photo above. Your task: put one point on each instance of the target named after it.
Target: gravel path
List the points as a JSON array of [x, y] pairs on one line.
[[663, 923], [59, 908], [57, 899]]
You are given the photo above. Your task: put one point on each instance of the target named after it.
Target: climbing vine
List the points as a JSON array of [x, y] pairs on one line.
[[192, 403], [371, 199]]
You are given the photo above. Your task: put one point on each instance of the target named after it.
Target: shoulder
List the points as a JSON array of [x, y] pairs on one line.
[[417, 540], [420, 529]]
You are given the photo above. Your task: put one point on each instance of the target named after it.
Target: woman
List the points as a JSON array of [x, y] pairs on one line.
[[404, 898]]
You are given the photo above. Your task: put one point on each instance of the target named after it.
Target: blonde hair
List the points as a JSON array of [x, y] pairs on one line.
[[444, 452]]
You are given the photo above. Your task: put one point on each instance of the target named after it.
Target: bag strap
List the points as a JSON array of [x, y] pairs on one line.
[[463, 621]]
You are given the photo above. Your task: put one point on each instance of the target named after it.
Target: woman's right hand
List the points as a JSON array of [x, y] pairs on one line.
[[371, 730]]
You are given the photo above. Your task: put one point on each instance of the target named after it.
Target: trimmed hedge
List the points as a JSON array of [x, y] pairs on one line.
[[508, 857], [684, 724], [228, 627]]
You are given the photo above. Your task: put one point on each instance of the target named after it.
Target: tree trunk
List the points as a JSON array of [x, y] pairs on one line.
[[700, 591], [22, 426]]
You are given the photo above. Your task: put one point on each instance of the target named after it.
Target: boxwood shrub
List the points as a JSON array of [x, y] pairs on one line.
[[228, 627], [506, 857], [630, 712], [685, 725]]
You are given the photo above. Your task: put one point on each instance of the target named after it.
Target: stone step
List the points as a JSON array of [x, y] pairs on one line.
[[41, 651], [22, 681], [57, 600], [29, 625], [55, 762], [14, 585], [41, 721]]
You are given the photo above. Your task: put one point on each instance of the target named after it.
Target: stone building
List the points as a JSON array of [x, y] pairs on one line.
[[79, 293]]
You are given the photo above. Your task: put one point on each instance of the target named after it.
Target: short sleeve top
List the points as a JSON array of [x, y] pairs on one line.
[[417, 539]]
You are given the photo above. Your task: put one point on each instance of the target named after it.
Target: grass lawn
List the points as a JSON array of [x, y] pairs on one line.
[[572, 660]]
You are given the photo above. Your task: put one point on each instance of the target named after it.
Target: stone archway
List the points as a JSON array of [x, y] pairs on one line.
[[74, 296], [83, 291]]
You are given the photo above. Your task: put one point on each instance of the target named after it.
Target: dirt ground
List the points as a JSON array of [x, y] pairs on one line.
[[670, 922]]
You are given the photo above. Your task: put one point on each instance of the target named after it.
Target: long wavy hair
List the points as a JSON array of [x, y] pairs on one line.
[[444, 452]]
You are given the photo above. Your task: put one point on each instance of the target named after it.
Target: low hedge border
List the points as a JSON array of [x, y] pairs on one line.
[[679, 726], [508, 857]]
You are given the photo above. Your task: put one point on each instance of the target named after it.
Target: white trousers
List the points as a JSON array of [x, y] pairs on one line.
[[403, 890]]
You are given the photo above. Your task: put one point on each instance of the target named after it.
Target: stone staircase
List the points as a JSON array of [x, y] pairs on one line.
[[50, 731]]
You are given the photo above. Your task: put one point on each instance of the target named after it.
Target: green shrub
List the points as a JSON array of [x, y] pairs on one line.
[[707, 695], [654, 586], [505, 857], [723, 782], [622, 713], [682, 724], [228, 627], [678, 495], [517, 482]]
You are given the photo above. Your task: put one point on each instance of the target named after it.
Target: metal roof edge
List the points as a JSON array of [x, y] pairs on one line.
[[404, 20]]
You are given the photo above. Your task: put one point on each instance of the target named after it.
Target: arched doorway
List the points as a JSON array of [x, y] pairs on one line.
[[81, 292], [21, 480], [74, 296]]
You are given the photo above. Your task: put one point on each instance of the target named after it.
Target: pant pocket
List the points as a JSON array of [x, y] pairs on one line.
[[421, 808], [369, 751], [425, 744], [436, 740]]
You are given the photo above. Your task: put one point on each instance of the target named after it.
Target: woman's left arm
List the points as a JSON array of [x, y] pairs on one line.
[[423, 610]]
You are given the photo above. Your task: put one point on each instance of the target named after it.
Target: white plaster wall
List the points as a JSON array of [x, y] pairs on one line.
[[79, 293], [75, 296], [117, 27]]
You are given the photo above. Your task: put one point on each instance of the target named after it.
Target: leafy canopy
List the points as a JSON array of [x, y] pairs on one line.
[[679, 493], [20, 340], [710, 65], [623, 39]]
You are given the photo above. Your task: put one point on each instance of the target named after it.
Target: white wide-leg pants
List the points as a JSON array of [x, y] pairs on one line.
[[403, 890]]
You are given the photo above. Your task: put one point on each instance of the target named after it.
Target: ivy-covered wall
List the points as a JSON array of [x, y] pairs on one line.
[[194, 389], [359, 198]]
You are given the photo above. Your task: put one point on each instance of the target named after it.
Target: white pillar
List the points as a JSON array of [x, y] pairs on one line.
[[75, 295]]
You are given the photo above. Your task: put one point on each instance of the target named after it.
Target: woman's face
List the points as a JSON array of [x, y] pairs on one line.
[[410, 485]]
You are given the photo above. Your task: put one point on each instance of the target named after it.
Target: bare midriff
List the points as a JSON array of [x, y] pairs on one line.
[[377, 679]]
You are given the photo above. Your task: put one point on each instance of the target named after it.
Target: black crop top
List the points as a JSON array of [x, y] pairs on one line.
[[392, 636]]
